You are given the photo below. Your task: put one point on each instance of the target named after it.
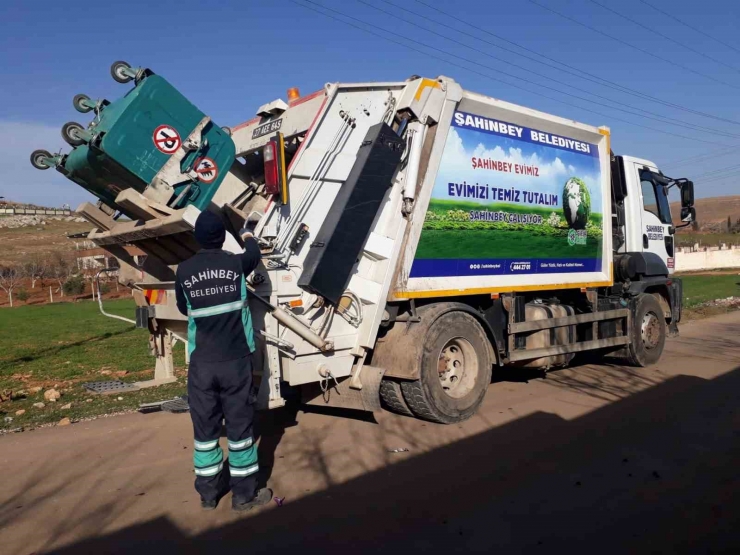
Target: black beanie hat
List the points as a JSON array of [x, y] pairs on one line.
[[210, 231]]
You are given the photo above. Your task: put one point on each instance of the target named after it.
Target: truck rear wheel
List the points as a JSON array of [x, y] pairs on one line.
[[392, 397], [455, 370], [648, 332]]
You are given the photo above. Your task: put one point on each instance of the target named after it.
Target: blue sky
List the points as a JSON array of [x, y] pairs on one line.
[[230, 57]]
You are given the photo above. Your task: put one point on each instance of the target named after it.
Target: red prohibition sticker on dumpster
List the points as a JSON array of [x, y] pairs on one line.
[[166, 139], [206, 169]]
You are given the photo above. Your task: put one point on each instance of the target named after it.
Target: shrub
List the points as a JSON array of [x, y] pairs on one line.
[[104, 288], [22, 295], [74, 285]]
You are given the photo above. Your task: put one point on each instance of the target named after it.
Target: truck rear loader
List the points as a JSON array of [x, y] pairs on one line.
[[416, 236]]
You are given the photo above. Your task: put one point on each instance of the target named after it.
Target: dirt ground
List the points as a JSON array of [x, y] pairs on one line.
[[604, 459]]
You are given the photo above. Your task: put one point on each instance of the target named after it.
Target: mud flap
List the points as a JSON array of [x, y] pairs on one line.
[[339, 393]]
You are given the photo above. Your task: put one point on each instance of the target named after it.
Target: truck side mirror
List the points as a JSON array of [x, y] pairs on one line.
[[688, 213], [687, 195]]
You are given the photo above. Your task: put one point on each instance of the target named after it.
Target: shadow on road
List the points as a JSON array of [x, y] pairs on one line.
[[82, 516], [269, 431], [655, 472]]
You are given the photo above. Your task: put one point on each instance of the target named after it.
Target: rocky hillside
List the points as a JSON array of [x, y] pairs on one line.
[[712, 213], [23, 237], [14, 222]]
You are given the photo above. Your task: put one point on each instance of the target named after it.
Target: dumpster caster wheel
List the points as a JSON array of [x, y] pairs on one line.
[[38, 159], [71, 133], [81, 102], [117, 71]]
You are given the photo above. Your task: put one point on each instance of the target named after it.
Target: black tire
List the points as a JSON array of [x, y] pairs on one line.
[[115, 72], [70, 134], [77, 102], [648, 333], [427, 397], [392, 399], [37, 157]]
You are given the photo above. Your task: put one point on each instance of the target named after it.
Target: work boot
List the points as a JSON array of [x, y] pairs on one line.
[[262, 497], [208, 505], [223, 489]]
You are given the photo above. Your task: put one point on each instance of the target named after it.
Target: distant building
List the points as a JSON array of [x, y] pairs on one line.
[[91, 258], [10, 208]]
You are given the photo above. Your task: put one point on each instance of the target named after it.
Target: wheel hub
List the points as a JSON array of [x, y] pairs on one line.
[[650, 330], [457, 367]]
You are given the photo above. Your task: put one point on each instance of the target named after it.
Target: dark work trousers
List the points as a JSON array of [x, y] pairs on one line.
[[218, 390]]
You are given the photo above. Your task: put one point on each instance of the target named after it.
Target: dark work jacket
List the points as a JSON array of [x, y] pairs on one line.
[[211, 291]]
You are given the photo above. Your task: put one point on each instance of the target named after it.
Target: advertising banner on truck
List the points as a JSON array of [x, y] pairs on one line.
[[511, 200]]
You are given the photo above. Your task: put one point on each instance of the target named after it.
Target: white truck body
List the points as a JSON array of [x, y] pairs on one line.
[[322, 165]]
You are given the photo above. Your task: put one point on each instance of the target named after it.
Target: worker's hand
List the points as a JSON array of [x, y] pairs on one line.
[[245, 233]]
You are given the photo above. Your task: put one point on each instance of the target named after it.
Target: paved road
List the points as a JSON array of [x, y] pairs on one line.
[[594, 458]]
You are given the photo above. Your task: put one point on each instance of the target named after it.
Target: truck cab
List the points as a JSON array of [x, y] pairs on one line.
[[643, 231], [641, 212]]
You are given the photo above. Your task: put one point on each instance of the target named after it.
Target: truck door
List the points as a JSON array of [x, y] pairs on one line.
[[657, 226]]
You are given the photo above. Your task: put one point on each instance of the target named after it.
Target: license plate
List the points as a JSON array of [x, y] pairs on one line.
[[269, 127]]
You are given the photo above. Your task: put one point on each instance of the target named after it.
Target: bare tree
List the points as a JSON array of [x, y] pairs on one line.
[[10, 276], [35, 270], [61, 268]]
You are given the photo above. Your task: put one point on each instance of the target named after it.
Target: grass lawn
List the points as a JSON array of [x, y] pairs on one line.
[[65, 344], [698, 289]]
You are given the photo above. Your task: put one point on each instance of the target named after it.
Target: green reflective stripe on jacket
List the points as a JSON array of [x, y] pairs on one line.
[[191, 330], [216, 310], [225, 308], [247, 318]]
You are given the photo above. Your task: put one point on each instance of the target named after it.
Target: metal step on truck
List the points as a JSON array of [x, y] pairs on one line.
[[416, 236]]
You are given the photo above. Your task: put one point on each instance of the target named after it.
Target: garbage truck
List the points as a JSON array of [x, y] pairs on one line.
[[416, 236]]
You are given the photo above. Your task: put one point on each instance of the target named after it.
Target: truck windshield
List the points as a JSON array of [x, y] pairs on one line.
[[655, 199]]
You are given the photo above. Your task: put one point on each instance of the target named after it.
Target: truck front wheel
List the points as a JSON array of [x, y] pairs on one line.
[[455, 370], [648, 332]]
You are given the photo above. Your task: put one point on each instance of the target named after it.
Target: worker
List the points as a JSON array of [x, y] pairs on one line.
[[211, 290]]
